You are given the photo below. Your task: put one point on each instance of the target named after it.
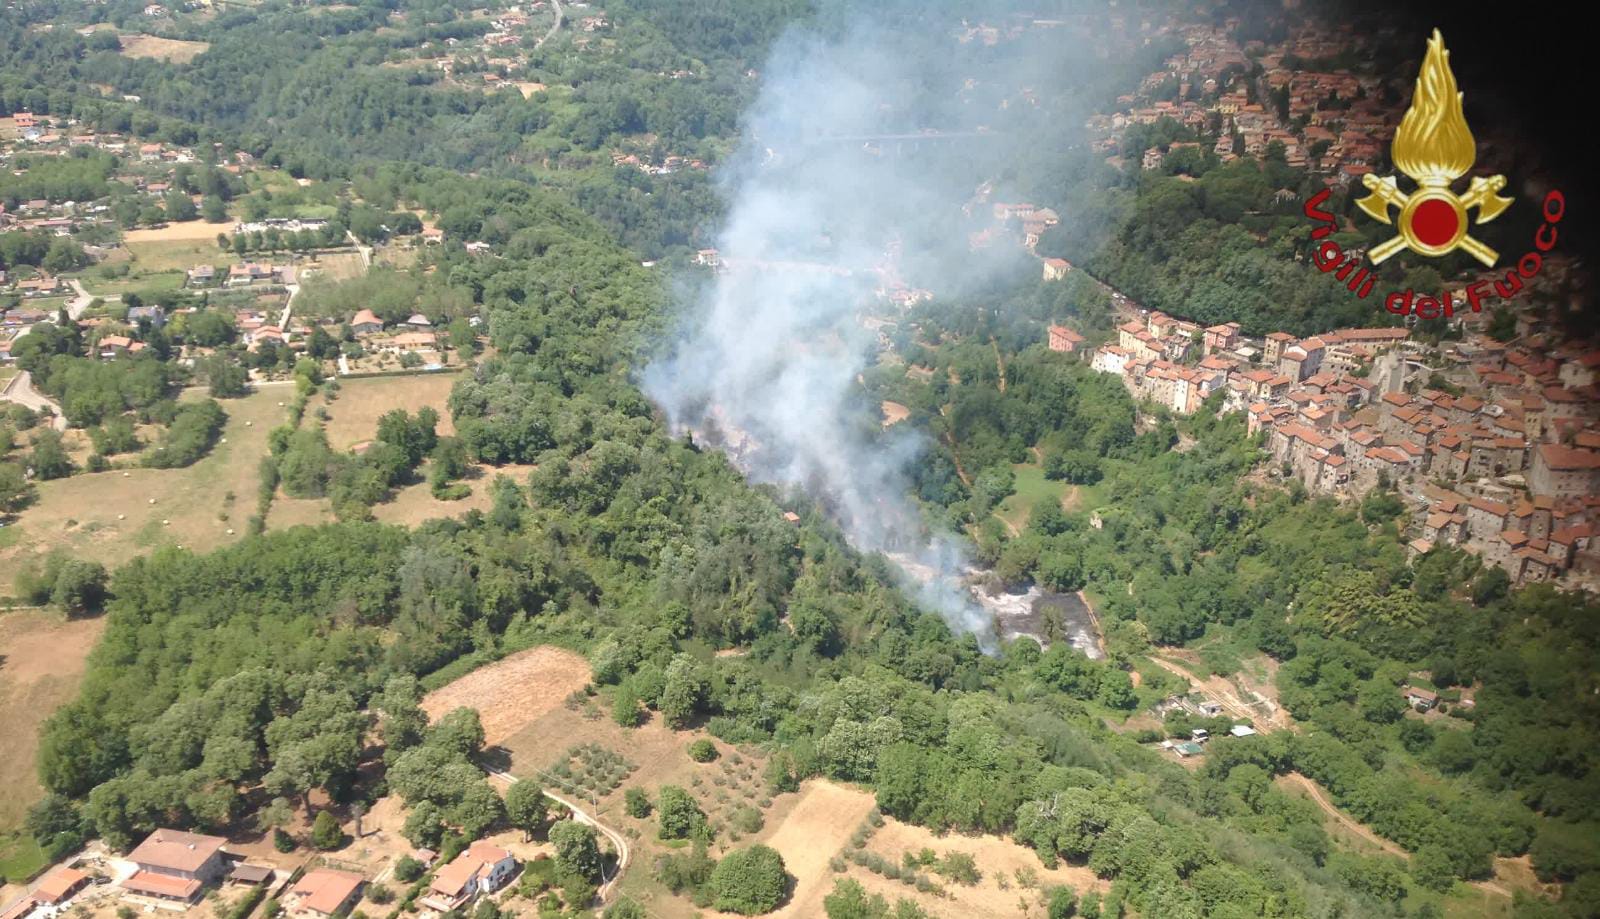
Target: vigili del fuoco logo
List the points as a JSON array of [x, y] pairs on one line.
[[1433, 148]]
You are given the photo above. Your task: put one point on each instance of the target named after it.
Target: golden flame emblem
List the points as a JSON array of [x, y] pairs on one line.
[[1434, 147]]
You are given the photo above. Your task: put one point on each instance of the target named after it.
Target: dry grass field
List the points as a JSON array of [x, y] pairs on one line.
[[415, 504], [1011, 873], [815, 828], [511, 693], [41, 661], [179, 254], [353, 416], [81, 514], [171, 50], [183, 230]]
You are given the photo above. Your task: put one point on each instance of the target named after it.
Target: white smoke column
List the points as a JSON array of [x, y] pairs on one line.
[[773, 350]]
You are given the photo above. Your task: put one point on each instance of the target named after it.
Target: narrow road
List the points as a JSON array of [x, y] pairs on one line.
[[79, 303], [555, 27], [582, 816], [20, 390]]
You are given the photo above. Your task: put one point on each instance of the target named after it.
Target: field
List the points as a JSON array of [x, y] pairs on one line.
[[818, 826], [353, 416], [1010, 873], [182, 230], [179, 254], [414, 504], [1031, 488], [114, 516], [510, 693], [170, 50], [41, 661]]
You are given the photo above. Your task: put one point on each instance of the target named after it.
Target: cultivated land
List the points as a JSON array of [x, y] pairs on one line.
[[816, 827], [171, 50], [80, 514], [1001, 861], [511, 693], [42, 659]]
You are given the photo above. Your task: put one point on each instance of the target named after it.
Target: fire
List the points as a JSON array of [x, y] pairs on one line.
[[1434, 145]]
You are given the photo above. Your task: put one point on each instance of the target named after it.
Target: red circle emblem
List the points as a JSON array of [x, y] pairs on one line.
[[1434, 222]]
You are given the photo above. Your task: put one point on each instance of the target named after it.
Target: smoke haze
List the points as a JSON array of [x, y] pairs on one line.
[[836, 199]]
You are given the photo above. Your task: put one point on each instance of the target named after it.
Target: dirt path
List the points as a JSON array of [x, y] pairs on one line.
[[583, 816], [1316, 794]]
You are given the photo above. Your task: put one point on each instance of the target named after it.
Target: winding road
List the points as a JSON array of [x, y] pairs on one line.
[[582, 816], [20, 389]]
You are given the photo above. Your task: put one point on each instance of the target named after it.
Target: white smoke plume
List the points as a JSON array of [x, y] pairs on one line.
[[836, 196]]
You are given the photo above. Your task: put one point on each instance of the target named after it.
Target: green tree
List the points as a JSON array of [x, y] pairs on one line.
[[80, 587], [577, 852], [526, 807], [49, 458], [636, 802], [680, 817], [750, 881], [15, 489], [326, 833]]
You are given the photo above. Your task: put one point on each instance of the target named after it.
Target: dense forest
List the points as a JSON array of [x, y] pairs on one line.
[[230, 680]]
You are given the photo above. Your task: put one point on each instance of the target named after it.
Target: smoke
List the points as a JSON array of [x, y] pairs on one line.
[[839, 197]]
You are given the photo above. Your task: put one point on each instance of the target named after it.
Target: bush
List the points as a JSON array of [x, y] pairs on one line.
[[636, 802], [326, 833], [408, 869], [680, 815], [959, 867], [702, 751], [750, 881], [380, 894], [282, 841], [193, 430]]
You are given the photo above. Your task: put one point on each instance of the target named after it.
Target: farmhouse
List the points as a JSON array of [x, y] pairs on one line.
[[480, 869], [324, 892], [414, 341], [174, 865], [366, 322], [1420, 699]]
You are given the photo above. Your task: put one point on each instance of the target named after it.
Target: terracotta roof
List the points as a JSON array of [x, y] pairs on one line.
[[58, 884], [176, 850], [162, 885], [1566, 458], [324, 890]]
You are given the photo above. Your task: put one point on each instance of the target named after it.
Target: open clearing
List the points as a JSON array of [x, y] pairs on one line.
[[179, 254], [171, 50], [415, 504], [818, 827], [353, 416], [510, 693], [41, 661], [997, 858], [184, 229], [80, 514]]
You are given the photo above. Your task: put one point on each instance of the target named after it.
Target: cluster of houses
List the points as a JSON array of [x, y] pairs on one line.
[[244, 274], [1331, 123], [172, 870], [1496, 444]]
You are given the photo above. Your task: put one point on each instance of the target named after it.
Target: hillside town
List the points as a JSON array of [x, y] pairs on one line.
[[1495, 445]]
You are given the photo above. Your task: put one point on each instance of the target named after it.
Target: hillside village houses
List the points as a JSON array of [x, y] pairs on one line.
[[1502, 458]]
